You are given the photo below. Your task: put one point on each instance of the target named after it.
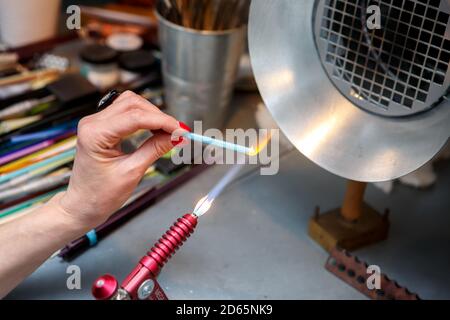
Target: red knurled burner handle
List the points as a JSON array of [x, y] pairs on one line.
[[173, 239], [150, 265]]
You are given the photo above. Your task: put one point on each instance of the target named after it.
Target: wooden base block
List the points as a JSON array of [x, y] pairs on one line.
[[330, 229]]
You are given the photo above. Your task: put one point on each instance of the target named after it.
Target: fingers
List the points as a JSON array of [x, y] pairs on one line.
[[128, 100], [153, 149], [103, 131], [133, 120], [125, 95], [108, 132]]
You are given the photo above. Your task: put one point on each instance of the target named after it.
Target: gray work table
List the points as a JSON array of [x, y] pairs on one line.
[[253, 244]]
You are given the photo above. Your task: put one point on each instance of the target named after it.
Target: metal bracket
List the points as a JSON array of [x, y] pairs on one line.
[[352, 271]]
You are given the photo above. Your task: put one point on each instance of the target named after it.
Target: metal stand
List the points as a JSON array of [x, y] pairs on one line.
[[354, 225]]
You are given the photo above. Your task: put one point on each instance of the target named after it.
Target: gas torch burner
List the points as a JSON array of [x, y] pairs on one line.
[[141, 283]]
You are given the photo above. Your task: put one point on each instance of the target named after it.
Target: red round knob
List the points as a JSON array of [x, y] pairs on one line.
[[105, 287]]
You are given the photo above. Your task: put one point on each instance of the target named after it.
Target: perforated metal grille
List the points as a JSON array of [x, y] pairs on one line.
[[401, 68]]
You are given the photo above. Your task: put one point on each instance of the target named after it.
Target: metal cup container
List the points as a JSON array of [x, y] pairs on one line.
[[199, 71]]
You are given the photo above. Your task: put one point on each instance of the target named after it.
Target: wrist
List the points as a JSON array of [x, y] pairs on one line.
[[69, 216]]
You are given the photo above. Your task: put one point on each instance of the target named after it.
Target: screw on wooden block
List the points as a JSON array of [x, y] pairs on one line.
[[316, 213]]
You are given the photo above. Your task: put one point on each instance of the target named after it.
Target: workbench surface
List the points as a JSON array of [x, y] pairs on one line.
[[253, 244]]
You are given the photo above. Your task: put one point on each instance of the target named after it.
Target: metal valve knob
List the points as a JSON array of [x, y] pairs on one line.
[[105, 287]]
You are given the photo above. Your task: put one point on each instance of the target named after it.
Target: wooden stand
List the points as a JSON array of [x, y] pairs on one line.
[[354, 225]]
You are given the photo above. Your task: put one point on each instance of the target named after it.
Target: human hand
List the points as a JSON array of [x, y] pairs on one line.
[[103, 176]]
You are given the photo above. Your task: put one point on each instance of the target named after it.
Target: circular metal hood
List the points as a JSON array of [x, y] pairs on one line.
[[335, 121]]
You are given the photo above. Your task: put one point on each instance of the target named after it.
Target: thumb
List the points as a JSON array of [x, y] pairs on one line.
[[153, 149]]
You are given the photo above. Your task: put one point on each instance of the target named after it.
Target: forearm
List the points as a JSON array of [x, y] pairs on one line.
[[25, 243]]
